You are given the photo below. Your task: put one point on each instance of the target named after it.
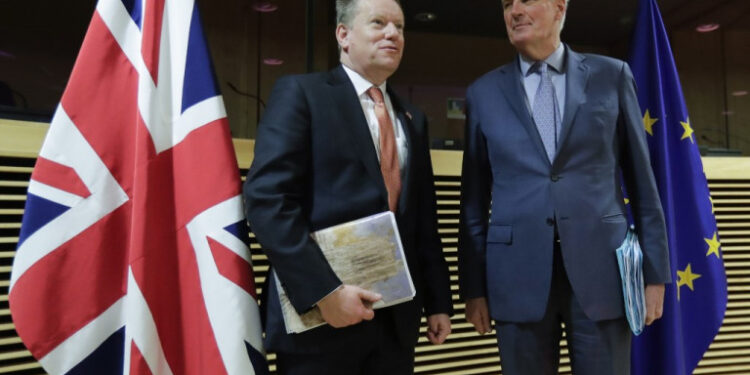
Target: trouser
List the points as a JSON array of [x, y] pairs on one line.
[[382, 354], [596, 348]]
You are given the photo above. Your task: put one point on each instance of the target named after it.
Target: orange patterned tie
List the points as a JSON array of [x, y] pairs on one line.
[[388, 153]]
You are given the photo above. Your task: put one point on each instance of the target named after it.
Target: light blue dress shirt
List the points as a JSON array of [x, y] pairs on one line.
[[530, 80]]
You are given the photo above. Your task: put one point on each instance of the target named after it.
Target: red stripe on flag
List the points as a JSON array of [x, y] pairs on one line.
[[165, 267], [232, 266], [151, 39], [71, 286], [208, 170], [138, 364], [60, 176], [101, 101]]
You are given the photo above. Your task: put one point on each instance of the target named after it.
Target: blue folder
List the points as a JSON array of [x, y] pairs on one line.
[[630, 260]]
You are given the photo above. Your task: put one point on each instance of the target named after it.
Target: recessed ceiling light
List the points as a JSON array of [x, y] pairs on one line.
[[739, 93], [425, 17], [707, 27], [265, 6], [272, 61]]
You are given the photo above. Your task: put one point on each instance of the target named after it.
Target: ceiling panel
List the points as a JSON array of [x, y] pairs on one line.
[[589, 22]]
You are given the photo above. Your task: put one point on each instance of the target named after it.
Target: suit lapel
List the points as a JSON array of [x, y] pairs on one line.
[[406, 124], [354, 125], [577, 75], [512, 88]]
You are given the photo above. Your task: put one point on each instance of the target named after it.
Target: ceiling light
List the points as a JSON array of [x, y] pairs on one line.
[[727, 113], [265, 6], [707, 27], [739, 93], [425, 17], [273, 61]]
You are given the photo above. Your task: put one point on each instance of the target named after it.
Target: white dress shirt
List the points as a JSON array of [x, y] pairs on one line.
[[361, 85]]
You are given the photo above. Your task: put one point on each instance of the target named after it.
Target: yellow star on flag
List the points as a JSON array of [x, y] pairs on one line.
[[686, 277], [713, 246], [712, 204], [688, 130], [649, 122]]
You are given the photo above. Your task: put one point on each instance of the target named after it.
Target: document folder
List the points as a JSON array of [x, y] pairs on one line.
[[630, 260], [367, 253]]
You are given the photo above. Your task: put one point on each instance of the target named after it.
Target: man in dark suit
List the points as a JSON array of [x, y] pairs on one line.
[[550, 138], [335, 147]]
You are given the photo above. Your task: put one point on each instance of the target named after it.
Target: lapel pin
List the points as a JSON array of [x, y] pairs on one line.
[[408, 115]]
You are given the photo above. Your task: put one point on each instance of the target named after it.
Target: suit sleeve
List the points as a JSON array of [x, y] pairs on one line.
[[274, 193], [641, 185], [476, 184], [437, 294]]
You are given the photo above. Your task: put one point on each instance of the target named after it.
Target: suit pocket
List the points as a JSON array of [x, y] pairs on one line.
[[613, 218], [500, 234]]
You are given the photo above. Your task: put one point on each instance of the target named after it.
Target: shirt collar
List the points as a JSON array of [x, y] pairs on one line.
[[361, 85], [555, 60]]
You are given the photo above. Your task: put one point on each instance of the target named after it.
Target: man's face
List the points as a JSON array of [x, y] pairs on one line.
[[374, 42], [533, 22]]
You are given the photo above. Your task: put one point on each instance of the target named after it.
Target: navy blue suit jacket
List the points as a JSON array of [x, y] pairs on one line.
[[506, 255], [315, 166]]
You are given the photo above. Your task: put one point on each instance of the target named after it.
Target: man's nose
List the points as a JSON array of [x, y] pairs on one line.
[[515, 8], [391, 30]]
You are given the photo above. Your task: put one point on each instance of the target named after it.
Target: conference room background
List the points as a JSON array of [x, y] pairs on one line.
[[448, 45]]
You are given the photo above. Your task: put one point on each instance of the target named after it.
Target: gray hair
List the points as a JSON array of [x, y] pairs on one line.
[[346, 10]]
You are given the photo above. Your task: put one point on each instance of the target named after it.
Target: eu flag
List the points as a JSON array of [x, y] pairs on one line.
[[694, 305]]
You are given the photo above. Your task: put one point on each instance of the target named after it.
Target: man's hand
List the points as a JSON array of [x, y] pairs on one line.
[[438, 328], [654, 302], [478, 314], [348, 305]]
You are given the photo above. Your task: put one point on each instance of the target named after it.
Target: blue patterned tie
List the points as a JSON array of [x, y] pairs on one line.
[[545, 112]]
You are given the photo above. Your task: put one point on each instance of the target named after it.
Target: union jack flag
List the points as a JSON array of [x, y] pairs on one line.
[[133, 253]]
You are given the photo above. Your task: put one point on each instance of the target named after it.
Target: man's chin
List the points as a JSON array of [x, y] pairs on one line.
[[518, 42], [389, 65], [390, 58]]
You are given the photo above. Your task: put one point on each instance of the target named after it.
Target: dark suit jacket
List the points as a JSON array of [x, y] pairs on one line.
[[507, 257], [315, 166]]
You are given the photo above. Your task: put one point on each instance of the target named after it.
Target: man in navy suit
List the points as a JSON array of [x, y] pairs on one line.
[[335, 147], [550, 139]]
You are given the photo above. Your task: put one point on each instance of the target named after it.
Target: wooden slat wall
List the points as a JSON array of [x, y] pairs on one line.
[[730, 351], [14, 177], [465, 352]]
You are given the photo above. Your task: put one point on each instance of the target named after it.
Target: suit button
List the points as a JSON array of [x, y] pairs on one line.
[[550, 221], [554, 177]]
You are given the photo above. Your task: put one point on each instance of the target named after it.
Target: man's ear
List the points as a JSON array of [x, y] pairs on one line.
[[342, 36], [561, 6]]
